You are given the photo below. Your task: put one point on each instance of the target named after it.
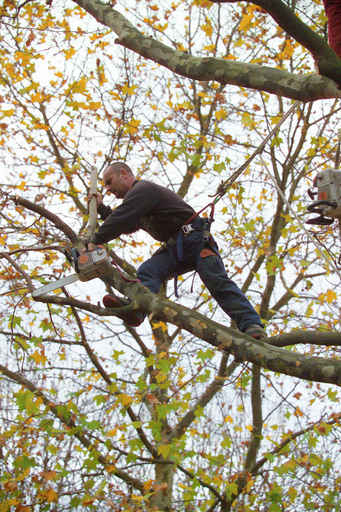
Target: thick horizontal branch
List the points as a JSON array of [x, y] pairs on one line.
[[272, 80], [321, 338], [224, 338], [328, 62]]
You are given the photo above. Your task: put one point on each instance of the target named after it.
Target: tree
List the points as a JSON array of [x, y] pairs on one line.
[[183, 413]]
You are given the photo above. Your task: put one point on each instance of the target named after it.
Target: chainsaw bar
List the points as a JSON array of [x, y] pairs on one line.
[[55, 285]]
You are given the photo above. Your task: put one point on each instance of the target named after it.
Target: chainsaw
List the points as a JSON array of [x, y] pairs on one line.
[[328, 194], [88, 265]]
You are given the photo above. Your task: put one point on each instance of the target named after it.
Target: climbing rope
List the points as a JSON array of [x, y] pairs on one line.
[[222, 189]]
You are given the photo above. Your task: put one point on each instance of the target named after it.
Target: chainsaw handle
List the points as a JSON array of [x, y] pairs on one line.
[[74, 257], [92, 204]]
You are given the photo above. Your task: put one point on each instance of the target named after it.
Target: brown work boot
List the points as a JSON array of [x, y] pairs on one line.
[[132, 318], [255, 331]]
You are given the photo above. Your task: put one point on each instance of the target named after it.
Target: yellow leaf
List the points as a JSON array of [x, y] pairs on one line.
[[246, 22], [94, 105], [132, 127], [247, 19], [38, 357], [148, 484], [220, 114], [128, 90], [7, 113], [125, 400], [207, 28], [112, 432], [180, 47], [80, 85], [164, 450], [298, 412], [37, 97], [330, 296], [24, 57], [69, 53], [228, 419], [162, 325], [51, 495], [210, 47], [248, 120]]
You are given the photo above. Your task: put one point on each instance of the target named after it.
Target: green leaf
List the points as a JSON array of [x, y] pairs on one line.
[[24, 462]]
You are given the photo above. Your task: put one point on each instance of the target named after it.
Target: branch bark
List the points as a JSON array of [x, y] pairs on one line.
[[263, 78], [327, 60]]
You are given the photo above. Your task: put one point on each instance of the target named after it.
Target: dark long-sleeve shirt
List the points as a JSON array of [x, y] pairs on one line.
[[146, 206]]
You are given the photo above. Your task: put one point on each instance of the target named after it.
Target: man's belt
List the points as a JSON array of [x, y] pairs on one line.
[[187, 229], [184, 230]]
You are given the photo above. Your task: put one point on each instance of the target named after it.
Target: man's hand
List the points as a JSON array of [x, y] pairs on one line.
[[99, 198], [89, 247]]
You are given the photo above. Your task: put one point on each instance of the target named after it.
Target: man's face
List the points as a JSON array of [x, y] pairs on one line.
[[115, 183]]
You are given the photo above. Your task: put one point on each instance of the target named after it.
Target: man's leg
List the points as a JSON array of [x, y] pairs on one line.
[[161, 266], [151, 273], [230, 298]]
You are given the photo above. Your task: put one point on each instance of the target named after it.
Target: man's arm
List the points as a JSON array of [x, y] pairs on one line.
[[125, 219]]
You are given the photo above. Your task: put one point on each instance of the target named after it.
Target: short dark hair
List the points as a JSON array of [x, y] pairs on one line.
[[119, 166]]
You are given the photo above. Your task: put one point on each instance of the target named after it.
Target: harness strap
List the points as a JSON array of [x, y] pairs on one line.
[[196, 214], [180, 238]]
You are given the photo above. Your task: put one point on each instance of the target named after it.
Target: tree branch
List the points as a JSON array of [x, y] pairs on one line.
[[272, 80], [212, 389], [57, 221], [224, 338], [69, 422], [328, 62]]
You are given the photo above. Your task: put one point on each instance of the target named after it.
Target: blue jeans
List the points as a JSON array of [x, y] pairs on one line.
[[198, 255]]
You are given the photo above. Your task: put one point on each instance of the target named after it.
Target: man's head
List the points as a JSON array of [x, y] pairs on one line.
[[118, 179]]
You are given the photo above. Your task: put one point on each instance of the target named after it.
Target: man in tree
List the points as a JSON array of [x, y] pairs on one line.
[[164, 215]]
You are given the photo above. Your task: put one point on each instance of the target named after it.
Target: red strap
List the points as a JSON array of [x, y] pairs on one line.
[[196, 214]]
